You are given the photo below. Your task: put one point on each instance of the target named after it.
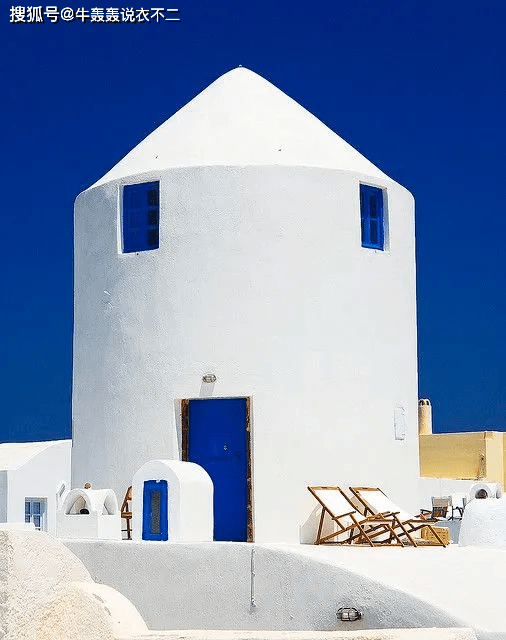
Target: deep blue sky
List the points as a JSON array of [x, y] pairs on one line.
[[417, 86]]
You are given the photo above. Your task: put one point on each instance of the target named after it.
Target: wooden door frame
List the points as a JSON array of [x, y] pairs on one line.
[[185, 429]]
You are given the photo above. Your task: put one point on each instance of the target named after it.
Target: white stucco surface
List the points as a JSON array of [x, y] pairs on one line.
[[47, 594], [261, 279], [3, 496], [103, 520], [33, 470], [14, 455], [297, 587], [190, 499], [484, 523], [241, 119]]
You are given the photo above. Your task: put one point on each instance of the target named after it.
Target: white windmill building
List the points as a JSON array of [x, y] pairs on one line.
[[245, 299]]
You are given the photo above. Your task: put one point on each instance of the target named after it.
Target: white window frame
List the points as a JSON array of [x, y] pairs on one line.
[[31, 514]]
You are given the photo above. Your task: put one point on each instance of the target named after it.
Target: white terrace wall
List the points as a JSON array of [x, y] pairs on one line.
[[3, 496], [301, 587]]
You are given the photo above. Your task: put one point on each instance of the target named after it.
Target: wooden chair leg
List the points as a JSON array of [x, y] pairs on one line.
[[318, 535]]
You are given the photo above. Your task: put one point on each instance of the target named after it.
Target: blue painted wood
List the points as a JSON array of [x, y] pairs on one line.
[[155, 520], [217, 441], [371, 217], [141, 214]]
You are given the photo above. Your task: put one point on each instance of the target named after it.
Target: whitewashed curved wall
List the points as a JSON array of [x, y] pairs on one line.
[[261, 279]]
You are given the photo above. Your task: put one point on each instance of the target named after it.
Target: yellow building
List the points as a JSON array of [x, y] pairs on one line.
[[475, 455]]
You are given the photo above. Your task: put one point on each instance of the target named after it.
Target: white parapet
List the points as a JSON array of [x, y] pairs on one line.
[[89, 513], [375, 634], [484, 523]]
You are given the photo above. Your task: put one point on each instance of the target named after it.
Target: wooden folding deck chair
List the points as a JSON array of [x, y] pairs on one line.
[[352, 528], [126, 513], [372, 500], [440, 506]]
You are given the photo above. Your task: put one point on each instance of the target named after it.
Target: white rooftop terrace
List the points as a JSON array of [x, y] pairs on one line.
[[14, 455]]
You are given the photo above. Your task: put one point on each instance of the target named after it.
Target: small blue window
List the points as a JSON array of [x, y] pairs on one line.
[[155, 522], [371, 217], [141, 216]]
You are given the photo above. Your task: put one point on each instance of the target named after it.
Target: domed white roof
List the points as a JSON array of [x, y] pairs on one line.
[[241, 120]]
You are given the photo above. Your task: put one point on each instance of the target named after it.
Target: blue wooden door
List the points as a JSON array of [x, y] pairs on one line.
[[155, 520], [218, 442]]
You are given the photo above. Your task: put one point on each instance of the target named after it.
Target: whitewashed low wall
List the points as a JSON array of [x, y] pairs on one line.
[[484, 524], [385, 634], [301, 587], [101, 521]]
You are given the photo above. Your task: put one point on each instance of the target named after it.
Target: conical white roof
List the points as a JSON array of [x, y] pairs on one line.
[[241, 120]]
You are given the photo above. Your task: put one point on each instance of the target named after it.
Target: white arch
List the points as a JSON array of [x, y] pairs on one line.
[[101, 501]]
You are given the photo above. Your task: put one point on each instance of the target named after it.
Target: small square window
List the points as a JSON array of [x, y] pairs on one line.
[[35, 511], [371, 217], [141, 216]]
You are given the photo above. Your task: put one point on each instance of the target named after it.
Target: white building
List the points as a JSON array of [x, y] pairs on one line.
[[33, 479], [245, 299]]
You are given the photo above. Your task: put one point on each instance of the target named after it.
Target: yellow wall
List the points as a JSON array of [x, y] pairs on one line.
[[504, 458], [494, 445], [464, 456]]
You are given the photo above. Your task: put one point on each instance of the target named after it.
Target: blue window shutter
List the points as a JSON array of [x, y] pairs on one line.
[[371, 217], [155, 521], [141, 217]]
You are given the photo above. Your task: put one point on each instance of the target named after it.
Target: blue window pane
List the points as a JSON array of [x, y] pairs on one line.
[[153, 238], [134, 199], [155, 511], [371, 217], [374, 232], [135, 239], [36, 507], [27, 518], [27, 508], [135, 220], [36, 521], [373, 206], [153, 217], [153, 197], [141, 217]]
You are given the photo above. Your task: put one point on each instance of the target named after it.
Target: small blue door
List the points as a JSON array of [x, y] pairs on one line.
[[155, 520], [218, 442]]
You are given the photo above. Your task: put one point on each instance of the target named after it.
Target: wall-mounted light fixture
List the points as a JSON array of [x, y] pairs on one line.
[[209, 377], [348, 614]]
